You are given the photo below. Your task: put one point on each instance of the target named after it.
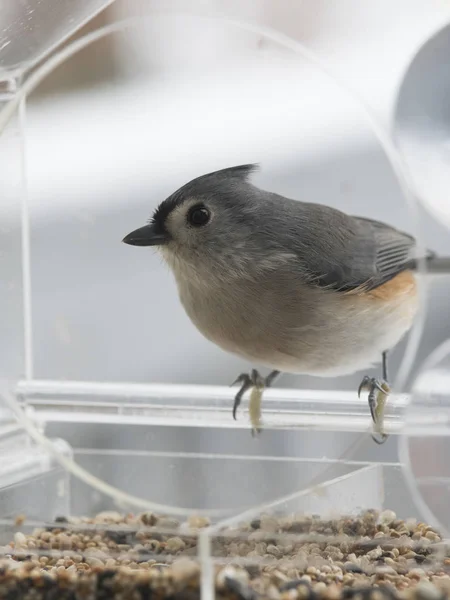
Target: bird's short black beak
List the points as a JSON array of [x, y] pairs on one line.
[[146, 236]]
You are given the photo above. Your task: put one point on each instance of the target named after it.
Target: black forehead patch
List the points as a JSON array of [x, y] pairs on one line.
[[208, 184]]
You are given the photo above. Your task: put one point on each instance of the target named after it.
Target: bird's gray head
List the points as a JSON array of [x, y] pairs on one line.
[[217, 221]]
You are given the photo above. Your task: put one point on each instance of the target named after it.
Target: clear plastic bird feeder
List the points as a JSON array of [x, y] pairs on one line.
[[110, 400]]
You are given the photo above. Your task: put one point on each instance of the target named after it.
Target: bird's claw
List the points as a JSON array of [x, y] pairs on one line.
[[255, 381], [370, 384], [242, 378], [378, 391], [379, 437], [247, 382]]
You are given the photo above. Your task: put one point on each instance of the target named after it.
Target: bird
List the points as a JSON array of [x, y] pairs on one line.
[[293, 286]]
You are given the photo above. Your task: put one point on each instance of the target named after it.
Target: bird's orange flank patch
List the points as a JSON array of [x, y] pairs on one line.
[[403, 284]]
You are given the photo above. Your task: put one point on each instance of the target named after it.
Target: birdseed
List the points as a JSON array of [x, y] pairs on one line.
[[373, 556]]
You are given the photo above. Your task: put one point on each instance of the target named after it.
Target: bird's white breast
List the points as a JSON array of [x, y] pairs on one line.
[[303, 329]]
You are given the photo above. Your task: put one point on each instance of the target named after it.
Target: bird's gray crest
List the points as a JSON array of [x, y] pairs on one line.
[[209, 184]]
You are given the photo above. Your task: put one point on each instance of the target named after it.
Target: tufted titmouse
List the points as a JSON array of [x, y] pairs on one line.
[[295, 286]]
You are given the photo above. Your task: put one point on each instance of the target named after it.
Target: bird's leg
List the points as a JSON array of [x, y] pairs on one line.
[[257, 384], [378, 393]]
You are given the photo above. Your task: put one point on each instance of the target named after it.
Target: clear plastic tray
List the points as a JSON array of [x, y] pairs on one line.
[[255, 524]]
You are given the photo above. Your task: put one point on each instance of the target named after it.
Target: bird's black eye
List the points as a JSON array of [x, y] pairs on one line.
[[198, 215]]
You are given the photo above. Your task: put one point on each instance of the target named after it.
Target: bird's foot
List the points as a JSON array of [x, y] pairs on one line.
[[378, 394], [256, 383]]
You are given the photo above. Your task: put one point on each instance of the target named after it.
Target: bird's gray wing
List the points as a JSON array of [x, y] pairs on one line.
[[346, 253], [393, 250]]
